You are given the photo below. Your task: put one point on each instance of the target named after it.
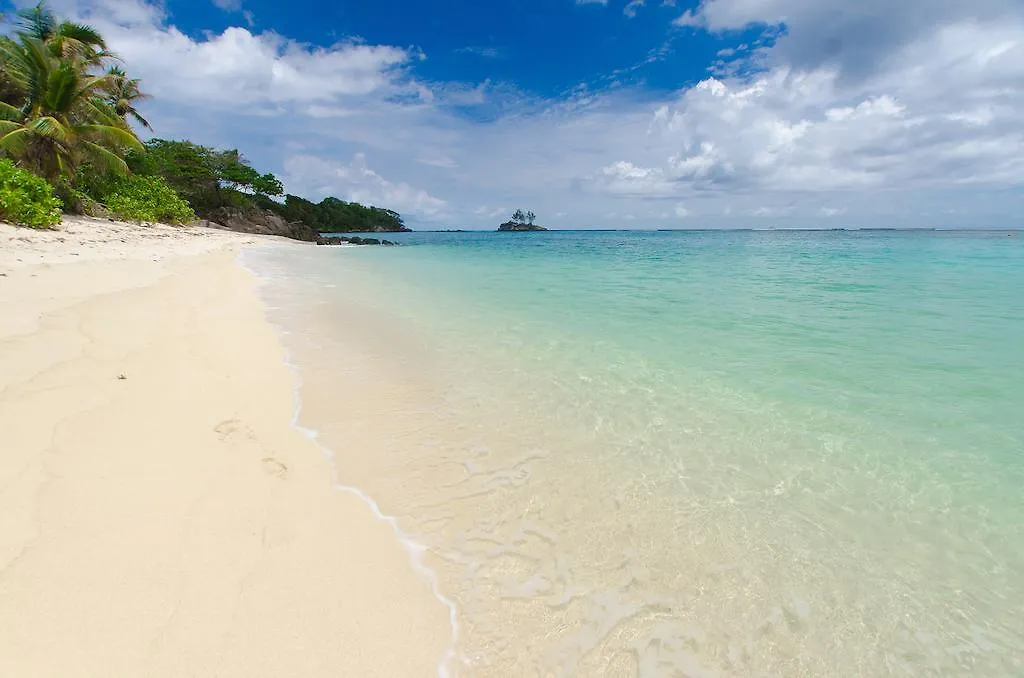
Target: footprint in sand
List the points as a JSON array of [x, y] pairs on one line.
[[236, 431], [275, 468], [233, 428]]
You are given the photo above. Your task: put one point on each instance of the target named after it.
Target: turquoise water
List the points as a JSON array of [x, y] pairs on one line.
[[688, 453]]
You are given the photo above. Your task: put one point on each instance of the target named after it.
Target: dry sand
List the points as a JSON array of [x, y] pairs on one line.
[[159, 515]]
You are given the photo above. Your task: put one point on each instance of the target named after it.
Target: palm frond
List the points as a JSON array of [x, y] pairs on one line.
[[85, 34], [103, 158], [113, 136], [62, 88], [38, 22], [51, 128], [94, 110], [9, 112], [139, 119], [92, 84], [16, 141], [12, 59], [8, 126], [38, 65]]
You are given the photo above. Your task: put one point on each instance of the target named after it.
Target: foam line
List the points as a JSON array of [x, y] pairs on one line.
[[415, 549]]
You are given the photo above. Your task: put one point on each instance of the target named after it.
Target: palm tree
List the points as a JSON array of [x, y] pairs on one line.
[[123, 94], [65, 119], [64, 39]]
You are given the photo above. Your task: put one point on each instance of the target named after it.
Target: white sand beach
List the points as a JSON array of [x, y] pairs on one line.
[[159, 514]]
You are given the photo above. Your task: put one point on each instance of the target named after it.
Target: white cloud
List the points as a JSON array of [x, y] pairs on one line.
[[857, 38], [591, 2], [485, 52], [229, 5], [944, 113], [681, 211], [688, 18], [632, 7], [238, 68], [901, 111], [626, 179], [492, 212], [355, 181]]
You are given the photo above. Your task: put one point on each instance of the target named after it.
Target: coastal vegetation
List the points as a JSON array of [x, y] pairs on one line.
[[25, 198], [69, 142], [521, 221]]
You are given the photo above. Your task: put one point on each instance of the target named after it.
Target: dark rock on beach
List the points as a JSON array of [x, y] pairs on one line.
[[262, 222], [350, 240]]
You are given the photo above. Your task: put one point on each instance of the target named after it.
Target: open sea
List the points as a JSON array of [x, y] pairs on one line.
[[684, 454]]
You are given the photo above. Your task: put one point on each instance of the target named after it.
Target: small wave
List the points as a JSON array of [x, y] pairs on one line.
[[415, 549]]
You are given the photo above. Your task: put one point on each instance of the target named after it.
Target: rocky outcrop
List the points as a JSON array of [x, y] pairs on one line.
[[261, 222], [351, 240], [388, 229], [520, 226]]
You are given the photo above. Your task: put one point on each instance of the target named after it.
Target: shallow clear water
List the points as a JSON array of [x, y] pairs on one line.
[[687, 453]]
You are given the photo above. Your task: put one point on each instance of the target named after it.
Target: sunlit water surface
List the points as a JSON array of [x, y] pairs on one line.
[[686, 454]]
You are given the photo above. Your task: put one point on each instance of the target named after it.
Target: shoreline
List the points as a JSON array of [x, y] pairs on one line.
[[414, 549], [164, 513]]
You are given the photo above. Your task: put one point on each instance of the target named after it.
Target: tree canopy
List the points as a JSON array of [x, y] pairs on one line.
[[67, 110], [332, 215], [55, 114]]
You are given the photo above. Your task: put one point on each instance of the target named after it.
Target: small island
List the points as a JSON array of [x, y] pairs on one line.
[[521, 222]]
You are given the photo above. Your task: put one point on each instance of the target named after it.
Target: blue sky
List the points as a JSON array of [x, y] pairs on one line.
[[685, 114], [546, 48]]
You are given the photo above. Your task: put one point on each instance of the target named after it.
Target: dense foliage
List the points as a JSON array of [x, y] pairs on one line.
[[332, 215], [209, 179], [25, 198], [56, 112], [147, 198], [65, 108], [206, 178]]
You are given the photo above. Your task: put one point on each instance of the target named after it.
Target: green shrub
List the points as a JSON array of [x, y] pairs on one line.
[[147, 198], [26, 199]]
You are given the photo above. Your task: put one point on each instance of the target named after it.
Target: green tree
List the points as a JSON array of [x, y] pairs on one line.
[[518, 217], [234, 171], [62, 120], [206, 178], [530, 216], [122, 95], [188, 168], [64, 39], [267, 184]]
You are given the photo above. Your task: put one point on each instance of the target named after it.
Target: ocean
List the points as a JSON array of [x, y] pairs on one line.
[[700, 453]]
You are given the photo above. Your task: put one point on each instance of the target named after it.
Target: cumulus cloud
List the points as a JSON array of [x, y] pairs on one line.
[[874, 110], [238, 67], [857, 38], [355, 181], [849, 100], [626, 179]]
